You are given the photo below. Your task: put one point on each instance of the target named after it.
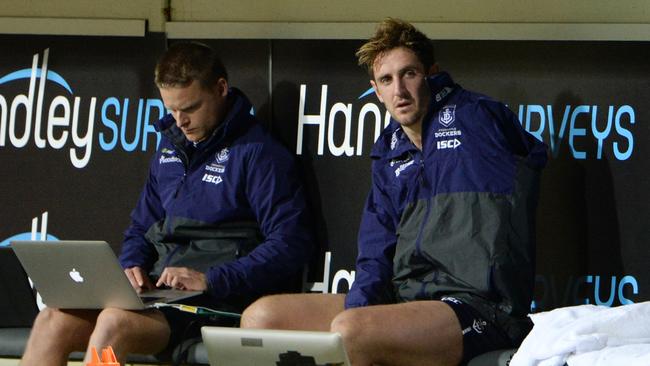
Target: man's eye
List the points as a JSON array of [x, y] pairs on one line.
[[191, 109]]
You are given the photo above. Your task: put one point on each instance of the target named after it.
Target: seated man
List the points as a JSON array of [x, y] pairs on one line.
[[446, 260], [222, 212]]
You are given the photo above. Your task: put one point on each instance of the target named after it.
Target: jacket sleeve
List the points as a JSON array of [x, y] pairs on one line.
[[377, 239], [519, 141], [277, 199], [136, 250]]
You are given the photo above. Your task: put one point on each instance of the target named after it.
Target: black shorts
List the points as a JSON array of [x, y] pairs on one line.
[[186, 327], [480, 335]]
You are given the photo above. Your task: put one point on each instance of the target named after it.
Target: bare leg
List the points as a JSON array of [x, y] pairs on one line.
[[414, 333], [294, 311], [128, 332], [56, 333]]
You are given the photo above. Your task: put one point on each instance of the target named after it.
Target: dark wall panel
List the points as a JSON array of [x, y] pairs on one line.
[[586, 100]]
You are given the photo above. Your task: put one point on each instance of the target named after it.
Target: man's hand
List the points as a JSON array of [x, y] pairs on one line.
[[183, 279], [139, 279]]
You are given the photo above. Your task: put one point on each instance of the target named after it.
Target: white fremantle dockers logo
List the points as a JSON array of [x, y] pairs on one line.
[[447, 115], [223, 155], [479, 325]]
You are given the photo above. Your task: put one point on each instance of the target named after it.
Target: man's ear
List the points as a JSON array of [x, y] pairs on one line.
[[221, 87], [374, 87]]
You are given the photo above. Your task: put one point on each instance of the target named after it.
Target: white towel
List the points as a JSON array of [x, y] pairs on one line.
[[559, 336], [626, 355]]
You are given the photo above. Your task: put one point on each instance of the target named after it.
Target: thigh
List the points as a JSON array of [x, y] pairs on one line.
[[413, 333], [294, 311]]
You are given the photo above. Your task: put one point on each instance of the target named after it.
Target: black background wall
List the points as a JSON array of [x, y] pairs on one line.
[[586, 100]]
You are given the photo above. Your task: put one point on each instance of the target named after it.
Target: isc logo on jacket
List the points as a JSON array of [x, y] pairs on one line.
[[448, 144], [214, 179]]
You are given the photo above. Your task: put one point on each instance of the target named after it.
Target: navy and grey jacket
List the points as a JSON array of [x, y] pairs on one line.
[[232, 207], [457, 218]]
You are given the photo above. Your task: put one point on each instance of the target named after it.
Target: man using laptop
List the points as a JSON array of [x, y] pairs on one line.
[[222, 212], [446, 261]]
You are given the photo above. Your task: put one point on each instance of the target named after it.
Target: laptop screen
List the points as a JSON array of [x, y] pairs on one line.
[[262, 347]]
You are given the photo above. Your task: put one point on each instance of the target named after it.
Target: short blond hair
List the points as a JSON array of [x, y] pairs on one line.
[[392, 33]]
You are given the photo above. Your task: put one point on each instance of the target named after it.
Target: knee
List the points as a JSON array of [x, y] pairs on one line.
[[265, 313], [113, 321], [351, 324], [59, 331], [51, 323]]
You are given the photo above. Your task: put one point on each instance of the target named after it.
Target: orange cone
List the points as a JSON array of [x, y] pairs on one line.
[[108, 357]]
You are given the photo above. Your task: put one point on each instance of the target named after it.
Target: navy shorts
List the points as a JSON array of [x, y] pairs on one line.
[[186, 327], [480, 335]]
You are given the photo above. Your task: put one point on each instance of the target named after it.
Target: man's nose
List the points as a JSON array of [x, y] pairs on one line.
[[400, 87], [181, 118]]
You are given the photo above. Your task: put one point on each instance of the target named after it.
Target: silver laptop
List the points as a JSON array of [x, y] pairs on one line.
[[266, 347], [85, 275]]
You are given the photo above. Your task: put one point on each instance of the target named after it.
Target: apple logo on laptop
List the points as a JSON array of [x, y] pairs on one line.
[[76, 276]]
